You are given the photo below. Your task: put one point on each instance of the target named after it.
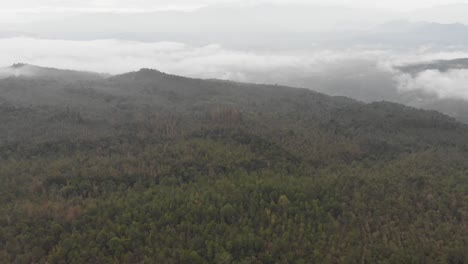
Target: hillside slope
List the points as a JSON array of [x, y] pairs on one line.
[[33, 71], [148, 167]]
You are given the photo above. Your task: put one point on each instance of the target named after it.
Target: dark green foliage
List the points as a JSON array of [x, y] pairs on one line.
[[153, 168]]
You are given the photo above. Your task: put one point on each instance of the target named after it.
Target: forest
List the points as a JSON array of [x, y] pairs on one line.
[[147, 167]]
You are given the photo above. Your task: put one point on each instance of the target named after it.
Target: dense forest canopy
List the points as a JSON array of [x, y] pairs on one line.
[[148, 167]]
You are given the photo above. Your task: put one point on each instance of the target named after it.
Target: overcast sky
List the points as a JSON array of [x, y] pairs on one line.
[[34, 5], [442, 11]]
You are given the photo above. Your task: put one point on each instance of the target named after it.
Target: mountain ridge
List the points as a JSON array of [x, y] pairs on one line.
[[29, 70], [152, 167]]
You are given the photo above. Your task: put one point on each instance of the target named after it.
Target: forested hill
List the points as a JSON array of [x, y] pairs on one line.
[[32, 71], [148, 167]]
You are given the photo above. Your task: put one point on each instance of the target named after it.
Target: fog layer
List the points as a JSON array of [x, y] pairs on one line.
[[318, 68]]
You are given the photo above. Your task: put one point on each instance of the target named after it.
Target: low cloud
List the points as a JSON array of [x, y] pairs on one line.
[[13, 71], [209, 61], [452, 84], [215, 61]]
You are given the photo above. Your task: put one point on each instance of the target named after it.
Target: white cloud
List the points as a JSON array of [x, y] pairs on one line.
[[215, 61], [210, 61], [452, 84]]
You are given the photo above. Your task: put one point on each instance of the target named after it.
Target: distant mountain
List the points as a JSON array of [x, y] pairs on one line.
[[289, 26], [363, 80], [406, 34], [439, 65], [262, 25], [451, 13], [11, 34]]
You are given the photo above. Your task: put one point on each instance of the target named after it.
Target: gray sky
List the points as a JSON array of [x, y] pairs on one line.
[[90, 5], [442, 11]]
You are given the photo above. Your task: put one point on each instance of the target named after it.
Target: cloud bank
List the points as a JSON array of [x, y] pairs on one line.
[[452, 84], [208, 61], [216, 61]]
